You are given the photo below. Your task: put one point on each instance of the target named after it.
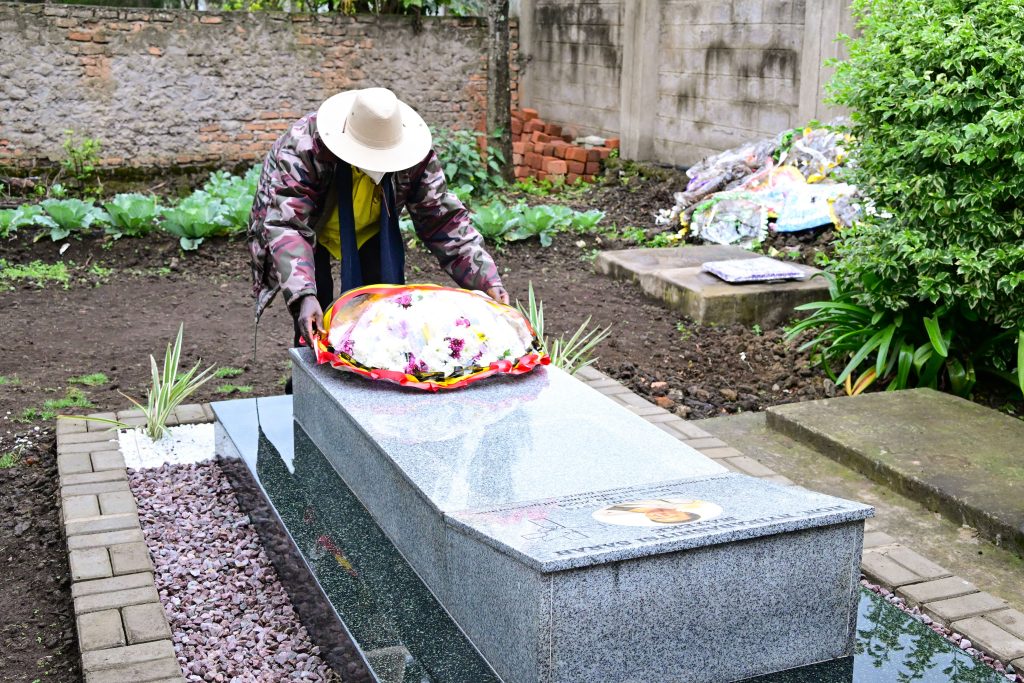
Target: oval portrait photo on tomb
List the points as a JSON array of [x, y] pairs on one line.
[[658, 512]]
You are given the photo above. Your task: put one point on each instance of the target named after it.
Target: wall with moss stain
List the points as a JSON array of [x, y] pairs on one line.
[[720, 72], [161, 88]]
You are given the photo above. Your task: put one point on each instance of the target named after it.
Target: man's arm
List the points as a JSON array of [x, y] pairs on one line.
[[291, 189], [443, 223]]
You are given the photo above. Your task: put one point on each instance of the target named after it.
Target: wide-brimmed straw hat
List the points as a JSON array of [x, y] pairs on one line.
[[373, 130]]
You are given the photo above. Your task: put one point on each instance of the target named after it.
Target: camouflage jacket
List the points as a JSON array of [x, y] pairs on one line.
[[294, 191]]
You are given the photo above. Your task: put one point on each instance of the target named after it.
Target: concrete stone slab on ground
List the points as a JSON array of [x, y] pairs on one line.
[[673, 276], [955, 547], [954, 456]]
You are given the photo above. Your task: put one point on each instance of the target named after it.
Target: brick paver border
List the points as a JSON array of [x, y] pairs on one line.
[[991, 624], [124, 635]]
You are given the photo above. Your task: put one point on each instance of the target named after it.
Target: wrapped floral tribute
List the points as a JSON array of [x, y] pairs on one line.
[[426, 336]]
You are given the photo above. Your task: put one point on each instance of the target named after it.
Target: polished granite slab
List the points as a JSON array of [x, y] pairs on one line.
[[572, 540], [391, 614], [503, 440], [372, 618], [576, 531]]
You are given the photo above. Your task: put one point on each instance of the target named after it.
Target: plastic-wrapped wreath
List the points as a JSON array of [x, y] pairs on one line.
[[426, 336]]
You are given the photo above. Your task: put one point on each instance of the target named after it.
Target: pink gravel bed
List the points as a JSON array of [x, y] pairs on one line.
[[231, 618]]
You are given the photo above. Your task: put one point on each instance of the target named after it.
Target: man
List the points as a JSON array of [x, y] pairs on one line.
[[333, 186]]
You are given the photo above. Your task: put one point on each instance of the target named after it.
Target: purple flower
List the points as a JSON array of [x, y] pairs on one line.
[[455, 346], [405, 300], [414, 366], [462, 322]]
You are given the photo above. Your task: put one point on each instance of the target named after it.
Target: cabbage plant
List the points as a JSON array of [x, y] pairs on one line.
[[131, 214], [67, 216], [197, 217]]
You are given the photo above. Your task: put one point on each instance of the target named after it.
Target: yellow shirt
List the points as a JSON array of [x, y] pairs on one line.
[[366, 206]]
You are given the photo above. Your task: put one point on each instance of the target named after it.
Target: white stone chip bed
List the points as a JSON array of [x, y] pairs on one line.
[[230, 617], [182, 445]]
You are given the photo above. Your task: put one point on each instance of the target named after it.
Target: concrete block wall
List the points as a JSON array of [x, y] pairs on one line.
[[729, 73], [678, 80], [575, 61], [164, 87]]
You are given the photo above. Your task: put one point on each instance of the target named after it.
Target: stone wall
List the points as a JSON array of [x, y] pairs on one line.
[[679, 79], [159, 88]]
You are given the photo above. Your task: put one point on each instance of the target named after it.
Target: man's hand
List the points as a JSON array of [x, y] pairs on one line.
[[498, 294], [310, 319]]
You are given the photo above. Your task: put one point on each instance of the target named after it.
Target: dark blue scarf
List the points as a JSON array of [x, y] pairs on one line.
[[392, 250]]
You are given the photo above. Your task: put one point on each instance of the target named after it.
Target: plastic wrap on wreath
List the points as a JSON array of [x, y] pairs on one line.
[[739, 218], [818, 152], [722, 172], [810, 206], [426, 336], [846, 210]]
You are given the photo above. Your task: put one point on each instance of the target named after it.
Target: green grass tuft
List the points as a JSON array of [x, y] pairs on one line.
[[93, 380], [74, 398], [234, 389], [227, 372], [38, 273]]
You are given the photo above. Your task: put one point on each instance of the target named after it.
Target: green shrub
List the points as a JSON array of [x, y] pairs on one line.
[[936, 90], [920, 346], [131, 214], [81, 161], [467, 172]]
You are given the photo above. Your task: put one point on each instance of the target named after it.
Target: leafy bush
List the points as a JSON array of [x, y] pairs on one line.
[[919, 346], [81, 161], [134, 215], [66, 216], [465, 169], [936, 88], [195, 218]]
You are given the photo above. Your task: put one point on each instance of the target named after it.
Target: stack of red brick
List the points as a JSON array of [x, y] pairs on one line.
[[547, 152]]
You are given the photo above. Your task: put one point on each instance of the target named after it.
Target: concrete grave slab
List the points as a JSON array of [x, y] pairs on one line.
[[674, 277], [547, 519], [952, 455]]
